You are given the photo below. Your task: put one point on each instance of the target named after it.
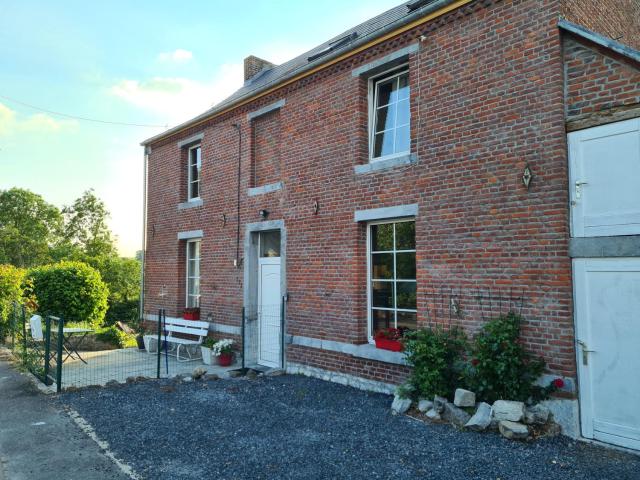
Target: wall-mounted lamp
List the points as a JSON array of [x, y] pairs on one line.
[[263, 213], [527, 176], [224, 219], [316, 207]]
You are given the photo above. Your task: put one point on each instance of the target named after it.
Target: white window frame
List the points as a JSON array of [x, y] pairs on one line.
[[187, 273], [369, 292], [373, 82], [190, 180]]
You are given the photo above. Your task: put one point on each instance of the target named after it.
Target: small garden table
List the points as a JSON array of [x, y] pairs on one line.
[[70, 347]]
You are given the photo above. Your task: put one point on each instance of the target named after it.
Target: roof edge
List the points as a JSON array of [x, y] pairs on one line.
[[419, 16], [599, 39]]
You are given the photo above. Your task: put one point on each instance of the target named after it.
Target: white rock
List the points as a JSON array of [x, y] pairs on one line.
[[464, 398], [425, 405], [400, 405], [508, 410], [433, 415], [513, 430], [439, 403], [198, 373], [455, 415], [481, 419], [538, 414], [187, 379]]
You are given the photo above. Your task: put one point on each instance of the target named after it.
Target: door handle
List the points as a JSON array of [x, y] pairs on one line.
[[579, 184], [585, 352]]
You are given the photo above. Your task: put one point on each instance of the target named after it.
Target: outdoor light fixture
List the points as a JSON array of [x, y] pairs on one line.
[[224, 219], [316, 207], [527, 176], [264, 213]]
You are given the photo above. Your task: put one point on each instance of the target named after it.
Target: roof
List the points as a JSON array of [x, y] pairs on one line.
[[333, 48], [601, 40]]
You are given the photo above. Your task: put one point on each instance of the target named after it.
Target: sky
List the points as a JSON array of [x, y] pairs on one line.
[[152, 63]]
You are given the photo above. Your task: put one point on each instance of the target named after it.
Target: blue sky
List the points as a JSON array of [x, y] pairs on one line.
[[143, 62]]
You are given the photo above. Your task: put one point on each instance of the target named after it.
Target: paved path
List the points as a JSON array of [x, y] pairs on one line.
[[39, 441]]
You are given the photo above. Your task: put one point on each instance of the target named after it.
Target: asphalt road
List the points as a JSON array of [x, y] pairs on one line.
[[38, 440]]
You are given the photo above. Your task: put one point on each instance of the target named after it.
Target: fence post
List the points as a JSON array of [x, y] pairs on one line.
[[14, 317], [282, 344], [59, 354], [47, 348], [159, 339], [244, 342], [24, 331]]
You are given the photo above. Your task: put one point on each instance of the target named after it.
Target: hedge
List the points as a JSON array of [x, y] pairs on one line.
[[10, 291]]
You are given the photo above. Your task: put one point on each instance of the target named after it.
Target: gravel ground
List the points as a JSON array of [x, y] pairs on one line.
[[296, 427]]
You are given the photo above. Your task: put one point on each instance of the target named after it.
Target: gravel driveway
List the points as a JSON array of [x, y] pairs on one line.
[[297, 427]]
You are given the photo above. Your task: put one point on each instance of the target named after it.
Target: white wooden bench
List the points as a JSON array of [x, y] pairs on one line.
[[195, 332]]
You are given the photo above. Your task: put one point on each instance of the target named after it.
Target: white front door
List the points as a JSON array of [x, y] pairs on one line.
[[605, 180], [607, 294], [269, 318]]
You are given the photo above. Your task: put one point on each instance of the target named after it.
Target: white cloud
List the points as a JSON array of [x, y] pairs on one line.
[[11, 122], [177, 99], [177, 56]]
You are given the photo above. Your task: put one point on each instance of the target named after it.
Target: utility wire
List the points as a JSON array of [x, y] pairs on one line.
[[84, 119]]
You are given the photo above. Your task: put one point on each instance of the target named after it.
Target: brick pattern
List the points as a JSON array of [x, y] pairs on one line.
[[616, 19], [598, 80], [266, 139], [254, 65], [486, 99]]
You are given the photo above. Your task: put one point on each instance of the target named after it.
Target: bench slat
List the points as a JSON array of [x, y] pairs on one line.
[[198, 332], [187, 323]]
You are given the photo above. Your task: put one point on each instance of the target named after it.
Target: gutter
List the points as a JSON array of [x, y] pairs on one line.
[[416, 18]]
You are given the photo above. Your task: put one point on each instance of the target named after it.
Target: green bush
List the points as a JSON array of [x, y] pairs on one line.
[[71, 289], [115, 337], [124, 311], [10, 292], [500, 368], [437, 358]]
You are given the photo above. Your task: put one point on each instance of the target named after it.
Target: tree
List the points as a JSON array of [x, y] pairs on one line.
[[29, 227], [86, 228], [10, 291]]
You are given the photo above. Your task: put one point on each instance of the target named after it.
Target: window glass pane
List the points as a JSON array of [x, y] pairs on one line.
[[402, 140], [384, 92], [270, 244], [198, 158], [407, 320], [385, 118], [194, 268], [406, 266], [406, 295], [403, 91], [402, 113], [382, 294], [382, 266], [381, 319], [383, 144], [406, 236], [382, 237]]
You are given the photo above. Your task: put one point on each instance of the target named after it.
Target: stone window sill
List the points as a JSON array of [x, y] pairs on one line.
[[272, 187], [190, 204], [385, 164]]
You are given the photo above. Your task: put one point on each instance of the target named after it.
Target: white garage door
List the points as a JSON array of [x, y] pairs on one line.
[[605, 180]]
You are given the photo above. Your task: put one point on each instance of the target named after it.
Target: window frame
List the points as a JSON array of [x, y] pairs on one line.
[[373, 82], [369, 281], [188, 276], [190, 180]]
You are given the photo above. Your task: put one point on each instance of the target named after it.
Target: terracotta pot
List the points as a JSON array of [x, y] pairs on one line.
[[191, 315], [225, 359]]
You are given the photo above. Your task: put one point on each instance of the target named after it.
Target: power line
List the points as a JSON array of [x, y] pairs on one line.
[[84, 119]]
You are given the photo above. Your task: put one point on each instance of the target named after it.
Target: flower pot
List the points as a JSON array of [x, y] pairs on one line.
[[140, 341], [191, 315], [386, 344], [206, 355], [225, 359]]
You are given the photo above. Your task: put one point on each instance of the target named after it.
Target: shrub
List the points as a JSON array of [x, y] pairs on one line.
[[115, 337], [500, 368], [436, 356], [124, 311], [71, 289], [10, 291]]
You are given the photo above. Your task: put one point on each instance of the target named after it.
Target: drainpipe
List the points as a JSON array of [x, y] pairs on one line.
[[147, 150], [237, 260]]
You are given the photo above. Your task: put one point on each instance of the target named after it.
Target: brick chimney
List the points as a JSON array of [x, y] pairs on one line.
[[254, 65]]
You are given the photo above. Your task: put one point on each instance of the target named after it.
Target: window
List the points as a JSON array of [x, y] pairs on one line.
[[195, 164], [390, 115], [193, 273], [392, 275]]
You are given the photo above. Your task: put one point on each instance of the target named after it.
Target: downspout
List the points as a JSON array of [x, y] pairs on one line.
[[237, 260], [147, 150]]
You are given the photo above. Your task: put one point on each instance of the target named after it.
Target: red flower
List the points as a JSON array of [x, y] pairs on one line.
[[475, 362], [558, 383]]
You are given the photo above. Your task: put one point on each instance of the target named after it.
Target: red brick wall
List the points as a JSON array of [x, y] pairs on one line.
[[598, 79], [487, 98], [616, 19], [266, 140]]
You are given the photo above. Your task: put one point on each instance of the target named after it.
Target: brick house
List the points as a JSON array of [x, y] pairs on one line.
[[436, 164]]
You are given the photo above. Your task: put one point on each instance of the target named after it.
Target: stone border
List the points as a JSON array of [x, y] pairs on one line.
[[366, 351], [267, 109], [385, 164], [341, 378], [190, 204], [399, 211], [261, 190], [388, 61], [191, 234], [187, 142]]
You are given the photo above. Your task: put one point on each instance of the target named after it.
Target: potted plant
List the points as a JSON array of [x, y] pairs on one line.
[[205, 348], [223, 349], [389, 339], [191, 313]]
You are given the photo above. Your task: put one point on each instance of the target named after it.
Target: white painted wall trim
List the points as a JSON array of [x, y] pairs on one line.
[[386, 212], [190, 234]]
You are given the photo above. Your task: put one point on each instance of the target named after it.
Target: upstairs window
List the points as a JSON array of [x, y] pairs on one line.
[[390, 115], [194, 166]]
